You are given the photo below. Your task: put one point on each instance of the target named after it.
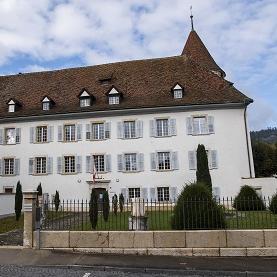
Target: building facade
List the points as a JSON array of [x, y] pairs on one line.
[[134, 125]]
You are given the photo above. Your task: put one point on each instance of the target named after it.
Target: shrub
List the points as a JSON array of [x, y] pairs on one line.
[[121, 202], [39, 189], [115, 204], [57, 201], [93, 208], [196, 209], [106, 206], [248, 200], [273, 204], [18, 201]]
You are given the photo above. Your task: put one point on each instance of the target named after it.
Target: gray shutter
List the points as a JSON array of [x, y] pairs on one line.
[[79, 164], [139, 128], [1, 167], [32, 135], [59, 165], [50, 133], [172, 127], [173, 194], [49, 165], [153, 161], [152, 128], [1, 136], [88, 164], [192, 160], [152, 194], [120, 130], [174, 160], [60, 133], [140, 161], [189, 126], [79, 131], [214, 162], [18, 135], [16, 166], [209, 157], [124, 193], [107, 126], [120, 162], [88, 131], [108, 163], [31, 166], [144, 194], [211, 124]]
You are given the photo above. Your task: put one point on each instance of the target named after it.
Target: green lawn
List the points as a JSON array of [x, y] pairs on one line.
[[9, 223]]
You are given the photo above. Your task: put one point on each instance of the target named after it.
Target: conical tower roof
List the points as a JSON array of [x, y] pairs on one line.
[[197, 51]]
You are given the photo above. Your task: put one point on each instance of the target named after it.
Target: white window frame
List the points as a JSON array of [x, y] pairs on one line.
[[41, 134], [164, 161], [98, 130], [8, 169], [40, 165], [71, 135], [162, 130], [134, 192], [163, 194], [46, 106], [129, 129], [202, 128], [99, 163], [85, 102], [178, 93], [11, 108], [113, 99], [6, 136], [131, 160], [71, 164]]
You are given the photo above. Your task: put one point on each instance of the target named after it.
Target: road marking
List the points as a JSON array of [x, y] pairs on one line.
[[86, 274]]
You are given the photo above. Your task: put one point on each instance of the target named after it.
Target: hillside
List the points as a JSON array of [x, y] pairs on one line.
[[268, 135]]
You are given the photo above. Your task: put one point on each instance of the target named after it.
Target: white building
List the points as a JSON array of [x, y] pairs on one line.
[[138, 123]]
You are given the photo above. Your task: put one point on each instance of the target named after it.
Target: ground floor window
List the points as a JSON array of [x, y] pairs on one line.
[[134, 193], [8, 190], [69, 164], [163, 193]]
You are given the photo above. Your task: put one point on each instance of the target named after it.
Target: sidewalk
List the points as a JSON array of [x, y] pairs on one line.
[[30, 257]]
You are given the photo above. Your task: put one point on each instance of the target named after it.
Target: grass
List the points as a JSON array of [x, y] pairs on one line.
[[9, 223]]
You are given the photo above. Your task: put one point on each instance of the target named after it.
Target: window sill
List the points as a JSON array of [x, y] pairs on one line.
[[131, 171], [40, 174], [8, 175], [41, 142], [69, 173]]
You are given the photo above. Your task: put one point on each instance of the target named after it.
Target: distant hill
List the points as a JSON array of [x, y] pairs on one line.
[[269, 135]]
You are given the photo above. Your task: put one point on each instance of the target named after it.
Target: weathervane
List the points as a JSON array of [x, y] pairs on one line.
[[191, 18]]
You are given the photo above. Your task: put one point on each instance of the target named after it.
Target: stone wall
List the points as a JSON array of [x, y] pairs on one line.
[[6, 204], [177, 243]]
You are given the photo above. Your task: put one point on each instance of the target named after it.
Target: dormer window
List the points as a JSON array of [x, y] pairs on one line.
[[11, 105], [47, 103], [114, 100], [177, 91], [114, 96], [85, 99]]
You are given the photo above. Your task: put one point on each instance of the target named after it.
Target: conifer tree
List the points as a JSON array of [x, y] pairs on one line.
[[57, 201], [93, 208], [18, 201], [106, 206]]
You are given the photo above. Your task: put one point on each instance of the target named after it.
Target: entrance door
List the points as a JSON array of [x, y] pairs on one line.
[[100, 192]]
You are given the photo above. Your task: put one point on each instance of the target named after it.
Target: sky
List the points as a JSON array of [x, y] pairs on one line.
[[241, 35]]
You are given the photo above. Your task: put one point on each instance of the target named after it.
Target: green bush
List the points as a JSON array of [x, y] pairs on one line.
[[196, 209], [39, 189], [57, 201], [121, 202], [106, 206], [115, 204], [273, 204], [93, 208], [248, 200]]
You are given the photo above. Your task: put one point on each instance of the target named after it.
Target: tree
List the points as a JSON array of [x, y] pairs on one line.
[[106, 206], [39, 190], [93, 208], [18, 201], [121, 202], [273, 204], [115, 204], [202, 173], [57, 201]]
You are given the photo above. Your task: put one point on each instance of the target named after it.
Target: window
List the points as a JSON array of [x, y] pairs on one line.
[[200, 125], [163, 193], [98, 131], [85, 102], [178, 93], [130, 162], [164, 161], [41, 134], [40, 166], [9, 166], [11, 108], [113, 100], [162, 127], [10, 136], [69, 132], [129, 129], [46, 106], [99, 163], [69, 164], [8, 190], [134, 193]]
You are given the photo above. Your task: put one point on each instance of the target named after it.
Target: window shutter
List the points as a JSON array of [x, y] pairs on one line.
[[50, 133], [153, 161], [124, 193], [192, 160], [107, 130], [120, 130], [79, 131], [152, 194], [88, 131], [174, 160], [152, 128], [89, 164], [108, 163], [16, 166], [49, 165], [144, 194], [173, 194], [1, 167], [209, 157], [31, 166], [1, 136], [120, 162], [18, 135], [59, 165], [214, 162], [139, 128], [60, 133], [211, 124], [79, 164], [189, 126], [32, 135], [140, 159], [172, 127]]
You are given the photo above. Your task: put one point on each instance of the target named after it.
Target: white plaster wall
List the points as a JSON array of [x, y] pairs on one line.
[[6, 204], [229, 140]]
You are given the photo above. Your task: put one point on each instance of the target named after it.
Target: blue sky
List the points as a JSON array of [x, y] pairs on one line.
[[240, 34]]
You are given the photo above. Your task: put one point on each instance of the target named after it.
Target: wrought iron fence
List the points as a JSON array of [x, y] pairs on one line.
[[137, 214]]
